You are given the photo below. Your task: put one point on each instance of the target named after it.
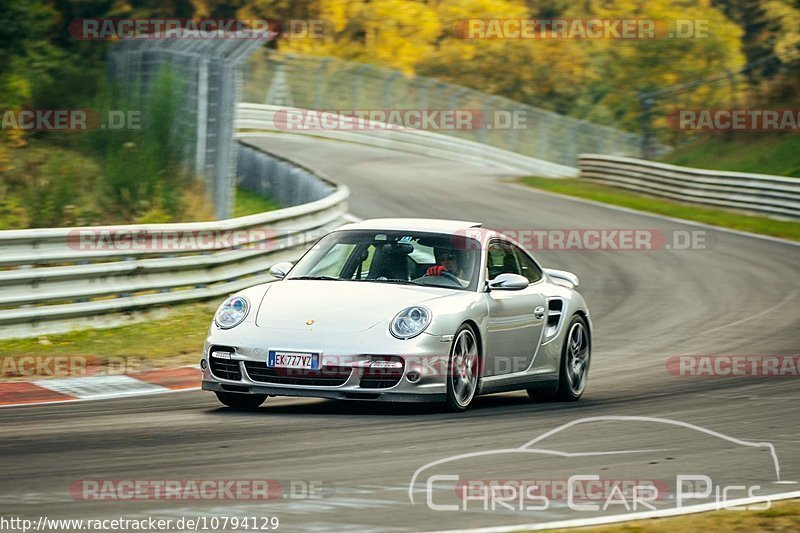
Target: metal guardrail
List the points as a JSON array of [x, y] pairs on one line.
[[261, 117], [53, 280], [760, 193]]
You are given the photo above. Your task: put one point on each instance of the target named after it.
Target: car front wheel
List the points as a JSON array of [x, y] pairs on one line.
[[463, 369]]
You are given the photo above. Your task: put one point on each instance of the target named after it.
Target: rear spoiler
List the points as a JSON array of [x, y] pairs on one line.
[[563, 278]]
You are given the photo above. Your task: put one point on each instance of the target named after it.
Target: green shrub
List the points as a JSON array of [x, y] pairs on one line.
[[143, 170]]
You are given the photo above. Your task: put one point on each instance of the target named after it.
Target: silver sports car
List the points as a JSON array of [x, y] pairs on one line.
[[403, 310]]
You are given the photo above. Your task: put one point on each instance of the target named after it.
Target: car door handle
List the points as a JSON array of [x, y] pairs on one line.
[[539, 312]]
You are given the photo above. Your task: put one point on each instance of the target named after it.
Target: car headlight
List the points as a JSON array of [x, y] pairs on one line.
[[410, 322], [232, 312]]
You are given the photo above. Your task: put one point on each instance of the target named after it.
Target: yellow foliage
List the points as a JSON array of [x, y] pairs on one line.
[[787, 18], [596, 79], [393, 33], [16, 138], [5, 161]]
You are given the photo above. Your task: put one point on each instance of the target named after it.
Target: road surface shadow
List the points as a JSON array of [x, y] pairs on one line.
[[495, 404]]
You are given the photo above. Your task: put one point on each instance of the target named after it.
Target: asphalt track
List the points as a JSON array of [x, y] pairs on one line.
[[739, 296]]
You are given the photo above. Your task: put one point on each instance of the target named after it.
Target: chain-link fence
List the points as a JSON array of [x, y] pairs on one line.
[[323, 83], [210, 70], [216, 74]]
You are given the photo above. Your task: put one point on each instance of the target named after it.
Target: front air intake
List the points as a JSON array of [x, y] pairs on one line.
[[555, 311], [327, 376], [222, 365], [384, 372]]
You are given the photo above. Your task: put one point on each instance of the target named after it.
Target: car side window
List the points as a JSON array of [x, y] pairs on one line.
[[501, 260], [529, 267]]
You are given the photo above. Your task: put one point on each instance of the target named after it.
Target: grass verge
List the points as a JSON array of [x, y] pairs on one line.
[[250, 203], [777, 153], [781, 516], [718, 217]]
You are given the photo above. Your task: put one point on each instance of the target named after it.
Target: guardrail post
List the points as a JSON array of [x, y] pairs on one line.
[[202, 117]]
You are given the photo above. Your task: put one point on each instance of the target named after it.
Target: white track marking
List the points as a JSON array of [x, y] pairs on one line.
[[96, 387], [76, 400]]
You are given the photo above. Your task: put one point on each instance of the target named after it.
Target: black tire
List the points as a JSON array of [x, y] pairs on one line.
[[463, 373], [241, 401], [568, 390]]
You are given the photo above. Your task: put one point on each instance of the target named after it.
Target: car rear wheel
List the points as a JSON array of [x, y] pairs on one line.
[[573, 373], [463, 369], [241, 401]]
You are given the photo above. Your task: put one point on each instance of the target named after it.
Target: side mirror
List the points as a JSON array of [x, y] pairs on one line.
[[279, 270], [509, 282]]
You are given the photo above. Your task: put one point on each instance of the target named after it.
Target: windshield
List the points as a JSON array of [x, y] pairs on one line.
[[404, 257]]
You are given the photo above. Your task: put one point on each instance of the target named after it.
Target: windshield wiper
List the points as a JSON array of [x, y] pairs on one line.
[[330, 278], [402, 281]]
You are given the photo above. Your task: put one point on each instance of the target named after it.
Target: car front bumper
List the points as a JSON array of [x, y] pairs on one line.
[[422, 376]]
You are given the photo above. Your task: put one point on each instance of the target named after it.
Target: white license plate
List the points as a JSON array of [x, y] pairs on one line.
[[306, 360]]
